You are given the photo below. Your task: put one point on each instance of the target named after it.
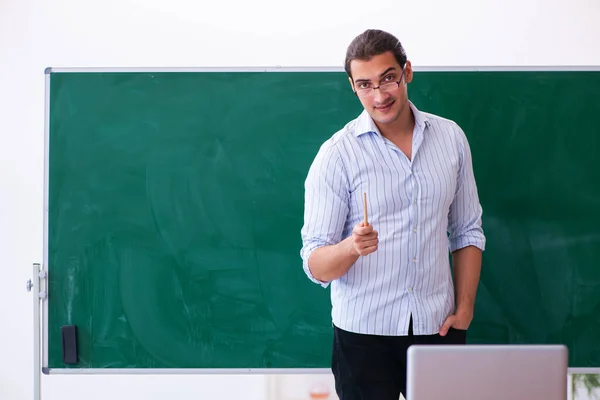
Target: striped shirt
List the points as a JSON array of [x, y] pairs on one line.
[[421, 208]]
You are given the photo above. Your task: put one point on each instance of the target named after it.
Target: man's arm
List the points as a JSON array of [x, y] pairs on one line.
[[467, 240], [467, 267], [326, 208], [331, 262], [326, 255]]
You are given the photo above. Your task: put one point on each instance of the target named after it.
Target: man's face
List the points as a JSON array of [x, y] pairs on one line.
[[386, 103]]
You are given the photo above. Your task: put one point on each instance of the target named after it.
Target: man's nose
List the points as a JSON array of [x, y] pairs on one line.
[[380, 95]]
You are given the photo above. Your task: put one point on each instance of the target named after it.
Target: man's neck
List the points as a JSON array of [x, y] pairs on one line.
[[401, 129]]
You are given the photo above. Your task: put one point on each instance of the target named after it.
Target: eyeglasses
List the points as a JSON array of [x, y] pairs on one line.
[[384, 87]]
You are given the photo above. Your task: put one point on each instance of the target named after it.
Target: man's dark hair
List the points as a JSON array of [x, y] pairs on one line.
[[373, 42]]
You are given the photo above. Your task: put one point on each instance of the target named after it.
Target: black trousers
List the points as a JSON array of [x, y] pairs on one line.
[[372, 367]]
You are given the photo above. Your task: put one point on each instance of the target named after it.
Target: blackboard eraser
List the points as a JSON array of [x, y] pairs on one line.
[[69, 344]]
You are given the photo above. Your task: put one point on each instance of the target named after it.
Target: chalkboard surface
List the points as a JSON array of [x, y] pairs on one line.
[[176, 201]]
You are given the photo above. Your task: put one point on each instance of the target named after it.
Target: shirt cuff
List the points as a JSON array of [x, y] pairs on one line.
[[467, 240], [306, 252]]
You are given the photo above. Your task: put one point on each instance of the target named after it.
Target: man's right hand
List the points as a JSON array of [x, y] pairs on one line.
[[364, 239], [327, 263]]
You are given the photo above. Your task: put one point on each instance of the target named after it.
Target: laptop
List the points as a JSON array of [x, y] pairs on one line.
[[487, 372]]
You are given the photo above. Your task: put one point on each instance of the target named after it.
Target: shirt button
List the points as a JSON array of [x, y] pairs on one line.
[[410, 289], [415, 201], [415, 259], [415, 229]]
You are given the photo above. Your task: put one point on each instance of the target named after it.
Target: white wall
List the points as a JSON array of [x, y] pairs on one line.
[[35, 34]]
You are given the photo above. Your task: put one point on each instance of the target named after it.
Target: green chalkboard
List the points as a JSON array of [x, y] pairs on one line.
[[175, 202]]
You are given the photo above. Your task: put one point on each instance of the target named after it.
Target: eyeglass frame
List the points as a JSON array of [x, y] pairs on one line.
[[372, 89]]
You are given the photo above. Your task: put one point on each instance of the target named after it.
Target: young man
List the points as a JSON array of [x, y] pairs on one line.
[[391, 284]]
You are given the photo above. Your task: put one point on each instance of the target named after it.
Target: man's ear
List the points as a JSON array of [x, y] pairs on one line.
[[408, 72], [351, 83]]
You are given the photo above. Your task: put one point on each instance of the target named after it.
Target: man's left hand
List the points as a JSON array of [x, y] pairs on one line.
[[460, 320]]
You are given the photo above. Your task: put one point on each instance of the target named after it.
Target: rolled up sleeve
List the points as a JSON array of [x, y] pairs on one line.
[[325, 204], [465, 216]]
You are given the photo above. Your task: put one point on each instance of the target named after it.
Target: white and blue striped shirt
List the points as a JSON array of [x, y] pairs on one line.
[[413, 205]]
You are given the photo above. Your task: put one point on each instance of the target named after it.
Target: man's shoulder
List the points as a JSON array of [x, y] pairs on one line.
[[344, 134], [331, 152], [443, 127], [347, 132], [443, 123]]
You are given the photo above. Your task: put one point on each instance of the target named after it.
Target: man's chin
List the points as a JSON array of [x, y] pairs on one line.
[[384, 119]]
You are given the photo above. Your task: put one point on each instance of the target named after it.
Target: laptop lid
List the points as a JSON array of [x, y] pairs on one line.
[[489, 372]]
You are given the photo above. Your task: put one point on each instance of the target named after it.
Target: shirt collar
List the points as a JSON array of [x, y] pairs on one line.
[[365, 124]]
